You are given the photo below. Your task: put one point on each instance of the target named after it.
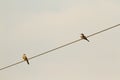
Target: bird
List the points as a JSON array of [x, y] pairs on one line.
[[25, 58], [84, 37]]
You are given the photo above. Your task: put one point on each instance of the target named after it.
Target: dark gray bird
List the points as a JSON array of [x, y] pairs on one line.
[[84, 37], [25, 58]]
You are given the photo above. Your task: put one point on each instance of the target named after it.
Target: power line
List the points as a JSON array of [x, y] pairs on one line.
[[104, 30], [60, 47]]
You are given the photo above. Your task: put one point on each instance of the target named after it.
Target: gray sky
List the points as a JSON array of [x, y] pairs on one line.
[[35, 26]]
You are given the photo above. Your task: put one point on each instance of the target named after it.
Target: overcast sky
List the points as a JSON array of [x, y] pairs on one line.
[[35, 26]]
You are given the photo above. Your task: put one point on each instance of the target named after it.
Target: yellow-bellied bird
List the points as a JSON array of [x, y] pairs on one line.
[[25, 58], [84, 37]]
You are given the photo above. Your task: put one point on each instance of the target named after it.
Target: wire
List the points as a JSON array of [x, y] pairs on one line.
[[60, 47], [104, 30]]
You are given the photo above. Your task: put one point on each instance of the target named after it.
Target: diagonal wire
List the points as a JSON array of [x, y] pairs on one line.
[[60, 47], [104, 30]]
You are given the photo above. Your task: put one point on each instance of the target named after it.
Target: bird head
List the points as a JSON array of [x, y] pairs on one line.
[[82, 34], [24, 54]]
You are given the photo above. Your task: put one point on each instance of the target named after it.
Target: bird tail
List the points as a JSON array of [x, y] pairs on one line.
[[87, 40], [27, 61]]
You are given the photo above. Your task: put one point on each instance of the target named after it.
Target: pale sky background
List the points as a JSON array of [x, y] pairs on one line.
[[35, 26]]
